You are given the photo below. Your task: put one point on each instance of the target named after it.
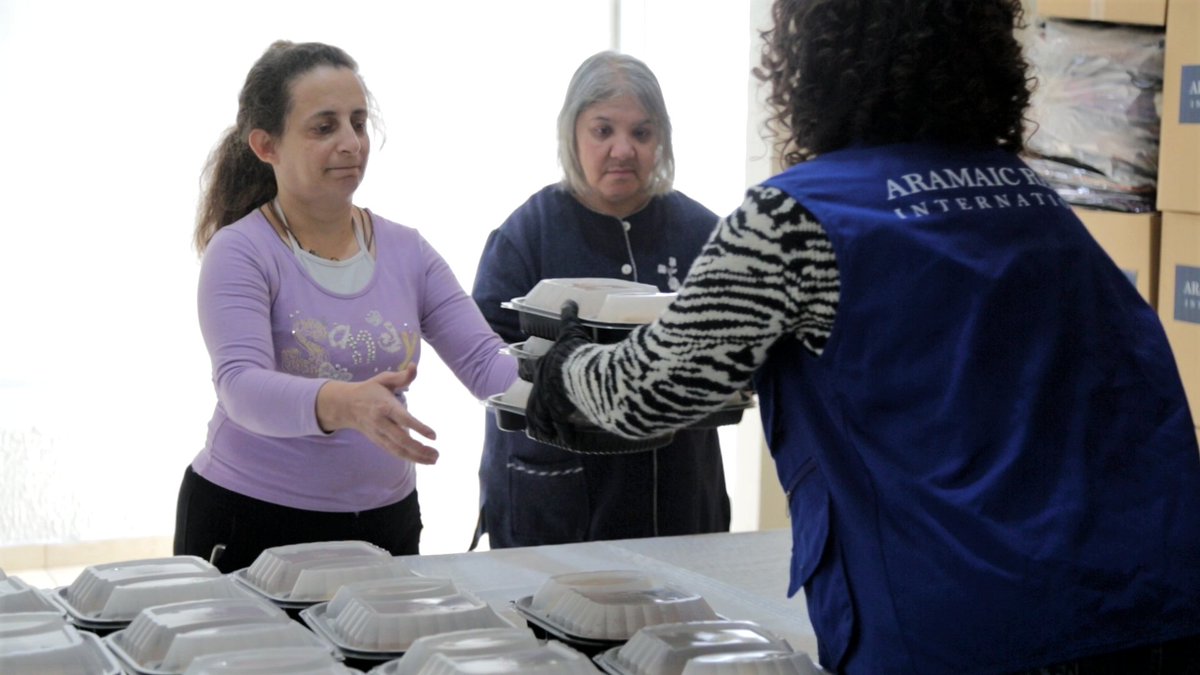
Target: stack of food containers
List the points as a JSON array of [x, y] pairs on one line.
[[608, 309], [361, 608], [151, 617]]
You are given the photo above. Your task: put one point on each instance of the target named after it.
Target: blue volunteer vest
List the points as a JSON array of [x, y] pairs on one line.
[[992, 465]]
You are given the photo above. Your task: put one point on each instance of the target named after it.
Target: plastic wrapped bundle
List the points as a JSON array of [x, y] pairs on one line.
[[1095, 113], [1087, 187]]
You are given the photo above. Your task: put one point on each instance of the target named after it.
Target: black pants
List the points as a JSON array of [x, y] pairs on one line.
[[231, 529], [1178, 657]]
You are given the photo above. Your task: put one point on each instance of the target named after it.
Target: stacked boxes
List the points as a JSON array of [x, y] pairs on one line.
[[1179, 156], [1144, 12], [1161, 258], [1132, 241], [1179, 195], [1179, 298]]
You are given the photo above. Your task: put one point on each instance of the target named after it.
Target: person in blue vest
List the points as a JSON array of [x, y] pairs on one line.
[[615, 214], [989, 459]]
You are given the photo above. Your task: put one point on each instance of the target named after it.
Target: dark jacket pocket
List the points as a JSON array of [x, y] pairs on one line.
[[548, 501], [817, 565]]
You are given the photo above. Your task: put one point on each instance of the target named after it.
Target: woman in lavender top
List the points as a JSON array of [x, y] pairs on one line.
[[313, 311]]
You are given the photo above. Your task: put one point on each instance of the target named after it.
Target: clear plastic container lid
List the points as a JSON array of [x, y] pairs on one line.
[[313, 572], [166, 638], [18, 596], [517, 394], [35, 643], [387, 615], [615, 605], [667, 648], [531, 348], [604, 581], [752, 663], [116, 592], [552, 658], [459, 644], [269, 661]]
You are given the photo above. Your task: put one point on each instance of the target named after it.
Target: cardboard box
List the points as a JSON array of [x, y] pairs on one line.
[[1132, 241], [1147, 12], [1179, 152], [1179, 298]]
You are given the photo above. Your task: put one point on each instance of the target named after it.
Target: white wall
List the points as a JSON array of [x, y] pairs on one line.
[[110, 110]]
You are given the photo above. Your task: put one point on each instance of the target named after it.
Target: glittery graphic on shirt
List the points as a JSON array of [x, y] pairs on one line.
[[360, 344], [330, 352]]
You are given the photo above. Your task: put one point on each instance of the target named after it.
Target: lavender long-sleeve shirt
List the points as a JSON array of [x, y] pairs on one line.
[[275, 337]]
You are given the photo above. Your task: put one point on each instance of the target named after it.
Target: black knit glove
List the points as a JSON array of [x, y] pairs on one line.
[[548, 409]]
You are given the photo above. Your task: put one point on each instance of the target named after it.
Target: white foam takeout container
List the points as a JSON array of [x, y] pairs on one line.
[[528, 352], [111, 594], [610, 605], [35, 643], [667, 649], [269, 661], [299, 575], [607, 301], [381, 618], [18, 596], [551, 658], [458, 644], [531, 348], [752, 663], [164, 640], [509, 407]]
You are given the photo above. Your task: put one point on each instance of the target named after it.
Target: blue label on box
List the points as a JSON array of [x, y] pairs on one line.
[[1131, 275], [1187, 293], [1189, 97]]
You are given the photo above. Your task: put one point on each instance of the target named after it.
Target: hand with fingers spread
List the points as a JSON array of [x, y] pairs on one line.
[[372, 408]]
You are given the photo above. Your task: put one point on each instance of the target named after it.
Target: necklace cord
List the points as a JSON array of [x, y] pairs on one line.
[[275, 206]]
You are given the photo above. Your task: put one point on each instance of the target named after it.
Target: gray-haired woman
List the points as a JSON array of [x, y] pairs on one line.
[[614, 214]]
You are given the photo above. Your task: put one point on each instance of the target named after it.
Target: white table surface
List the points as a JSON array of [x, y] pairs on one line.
[[743, 576]]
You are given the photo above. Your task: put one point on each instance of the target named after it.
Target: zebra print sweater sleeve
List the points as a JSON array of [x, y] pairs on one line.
[[767, 272]]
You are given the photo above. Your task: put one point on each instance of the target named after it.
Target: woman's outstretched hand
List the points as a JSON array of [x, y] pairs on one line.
[[372, 408]]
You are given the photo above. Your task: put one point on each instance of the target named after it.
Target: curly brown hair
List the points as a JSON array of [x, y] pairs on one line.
[[844, 72]]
